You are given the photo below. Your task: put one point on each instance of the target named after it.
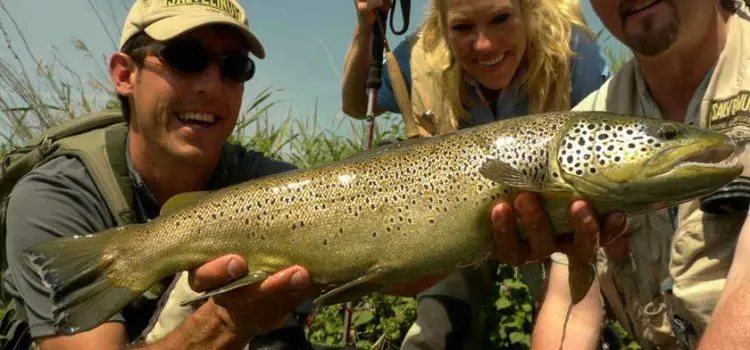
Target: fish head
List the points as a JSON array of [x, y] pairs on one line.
[[635, 163]]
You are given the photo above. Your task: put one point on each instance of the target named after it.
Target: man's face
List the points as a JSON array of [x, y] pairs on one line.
[[187, 117], [651, 27]]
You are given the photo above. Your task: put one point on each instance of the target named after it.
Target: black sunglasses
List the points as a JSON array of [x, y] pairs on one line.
[[190, 56]]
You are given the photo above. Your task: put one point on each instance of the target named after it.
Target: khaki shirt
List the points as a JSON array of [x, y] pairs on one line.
[[665, 289]]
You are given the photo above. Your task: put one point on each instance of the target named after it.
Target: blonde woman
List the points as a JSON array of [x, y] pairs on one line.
[[473, 62]]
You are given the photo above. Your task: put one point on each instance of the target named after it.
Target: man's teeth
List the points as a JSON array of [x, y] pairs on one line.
[[492, 62], [203, 117]]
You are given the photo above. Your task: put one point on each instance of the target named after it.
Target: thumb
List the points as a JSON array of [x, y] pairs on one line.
[[217, 272]]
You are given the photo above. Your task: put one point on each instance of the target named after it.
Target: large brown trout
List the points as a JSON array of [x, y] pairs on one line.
[[394, 213]]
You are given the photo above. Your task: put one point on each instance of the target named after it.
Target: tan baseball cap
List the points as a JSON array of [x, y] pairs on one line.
[[166, 19]]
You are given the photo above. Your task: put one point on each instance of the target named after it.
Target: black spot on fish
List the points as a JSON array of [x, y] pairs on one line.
[[325, 242]]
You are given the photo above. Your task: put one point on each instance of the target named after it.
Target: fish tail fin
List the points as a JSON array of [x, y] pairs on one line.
[[76, 270]]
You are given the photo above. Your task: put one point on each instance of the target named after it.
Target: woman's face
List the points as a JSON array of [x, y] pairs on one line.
[[488, 38]]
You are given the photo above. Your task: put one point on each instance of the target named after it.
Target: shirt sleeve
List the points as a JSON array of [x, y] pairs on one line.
[[386, 100], [58, 199], [589, 70]]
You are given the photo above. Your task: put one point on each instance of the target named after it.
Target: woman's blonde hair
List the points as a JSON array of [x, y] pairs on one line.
[[549, 25]]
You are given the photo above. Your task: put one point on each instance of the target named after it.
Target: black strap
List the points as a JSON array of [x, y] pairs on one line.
[[116, 140], [732, 198]]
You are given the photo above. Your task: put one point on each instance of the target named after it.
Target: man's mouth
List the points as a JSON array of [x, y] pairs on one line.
[[638, 7], [493, 61], [198, 119]]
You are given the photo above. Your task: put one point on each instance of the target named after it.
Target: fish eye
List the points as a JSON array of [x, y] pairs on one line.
[[668, 132]]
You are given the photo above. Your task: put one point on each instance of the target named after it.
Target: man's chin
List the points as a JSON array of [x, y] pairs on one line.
[[652, 45], [193, 154]]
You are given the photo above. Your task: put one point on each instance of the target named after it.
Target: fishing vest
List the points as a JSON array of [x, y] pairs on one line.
[[665, 289], [432, 112]]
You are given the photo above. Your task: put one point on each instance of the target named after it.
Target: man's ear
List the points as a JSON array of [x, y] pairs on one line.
[[121, 69]]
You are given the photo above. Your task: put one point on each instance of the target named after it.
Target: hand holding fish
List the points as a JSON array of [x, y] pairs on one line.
[[257, 308], [589, 232]]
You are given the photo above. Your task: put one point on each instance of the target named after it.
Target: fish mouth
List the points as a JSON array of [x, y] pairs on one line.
[[721, 156]]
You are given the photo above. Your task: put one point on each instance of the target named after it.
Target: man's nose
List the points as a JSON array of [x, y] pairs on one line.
[[209, 81]]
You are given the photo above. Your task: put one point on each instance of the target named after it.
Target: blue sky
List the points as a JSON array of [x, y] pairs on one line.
[[305, 42]]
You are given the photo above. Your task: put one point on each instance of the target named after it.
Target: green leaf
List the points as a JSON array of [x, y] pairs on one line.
[[361, 317], [502, 303], [518, 337]]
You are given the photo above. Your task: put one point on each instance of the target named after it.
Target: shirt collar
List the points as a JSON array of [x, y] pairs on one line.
[[651, 108]]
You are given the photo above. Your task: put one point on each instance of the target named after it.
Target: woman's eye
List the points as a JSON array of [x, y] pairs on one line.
[[461, 27], [500, 19]]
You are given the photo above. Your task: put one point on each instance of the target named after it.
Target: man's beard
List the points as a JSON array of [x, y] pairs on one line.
[[651, 41]]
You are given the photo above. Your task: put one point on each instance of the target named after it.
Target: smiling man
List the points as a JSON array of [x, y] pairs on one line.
[[180, 76], [682, 274]]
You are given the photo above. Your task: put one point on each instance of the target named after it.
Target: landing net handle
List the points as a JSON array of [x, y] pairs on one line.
[[375, 74], [374, 82]]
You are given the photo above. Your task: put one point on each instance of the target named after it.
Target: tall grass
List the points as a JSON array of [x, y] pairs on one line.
[[31, 101]]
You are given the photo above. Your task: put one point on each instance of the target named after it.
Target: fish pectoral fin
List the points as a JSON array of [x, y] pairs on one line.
[[181, 200], [250, 278], [359, 287], [581, 275], [502, 172]]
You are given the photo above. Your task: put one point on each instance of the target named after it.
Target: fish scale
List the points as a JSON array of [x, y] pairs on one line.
[[393, 213]]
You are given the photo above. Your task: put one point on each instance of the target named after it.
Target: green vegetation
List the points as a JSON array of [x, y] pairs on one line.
[[31, 101]]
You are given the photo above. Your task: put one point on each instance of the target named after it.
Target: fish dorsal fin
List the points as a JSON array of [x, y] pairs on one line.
[[181, 200], [502, 172]]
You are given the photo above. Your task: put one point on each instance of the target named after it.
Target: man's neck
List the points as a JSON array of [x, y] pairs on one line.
[[166, 178], [673, 78]]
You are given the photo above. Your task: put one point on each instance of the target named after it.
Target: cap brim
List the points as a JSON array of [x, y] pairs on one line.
[[171, 27]]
